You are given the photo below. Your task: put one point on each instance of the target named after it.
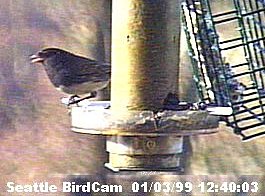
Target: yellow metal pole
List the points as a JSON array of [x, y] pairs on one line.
[[145, 57], [145, 53]]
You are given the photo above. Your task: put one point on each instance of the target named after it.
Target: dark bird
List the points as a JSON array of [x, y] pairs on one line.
[[73, 74]]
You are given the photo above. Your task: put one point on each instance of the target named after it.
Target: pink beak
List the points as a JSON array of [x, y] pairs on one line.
[[36, 59]]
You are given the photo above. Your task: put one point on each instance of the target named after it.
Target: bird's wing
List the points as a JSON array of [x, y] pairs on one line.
[[88, 70]]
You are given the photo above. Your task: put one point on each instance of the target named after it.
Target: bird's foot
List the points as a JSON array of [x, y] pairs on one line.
[[72, 100], [76, 101]]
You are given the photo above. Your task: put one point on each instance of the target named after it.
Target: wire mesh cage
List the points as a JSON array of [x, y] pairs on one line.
[[220, 80]]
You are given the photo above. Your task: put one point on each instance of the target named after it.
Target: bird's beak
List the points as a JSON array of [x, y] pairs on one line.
[[36, 59]]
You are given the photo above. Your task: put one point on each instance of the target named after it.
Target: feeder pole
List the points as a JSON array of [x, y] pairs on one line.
[[145, 64], [145, 53]]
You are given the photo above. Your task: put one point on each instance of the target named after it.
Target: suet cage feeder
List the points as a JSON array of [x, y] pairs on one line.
[[237, 83]]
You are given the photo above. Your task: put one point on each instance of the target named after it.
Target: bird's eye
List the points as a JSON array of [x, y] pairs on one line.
[[41, 53]]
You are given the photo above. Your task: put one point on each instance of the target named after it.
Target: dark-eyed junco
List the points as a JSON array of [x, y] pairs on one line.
[[73, 74]]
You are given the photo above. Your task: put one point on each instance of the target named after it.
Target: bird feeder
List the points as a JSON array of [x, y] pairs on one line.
[[141, 134], [239, 82]]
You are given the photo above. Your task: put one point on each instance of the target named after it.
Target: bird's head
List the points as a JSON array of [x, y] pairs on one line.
[[46, 54]]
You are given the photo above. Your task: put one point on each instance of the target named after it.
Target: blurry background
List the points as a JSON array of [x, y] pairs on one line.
[[35, 138]]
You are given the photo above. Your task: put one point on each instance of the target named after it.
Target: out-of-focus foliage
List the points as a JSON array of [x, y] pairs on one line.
[[35, 131]]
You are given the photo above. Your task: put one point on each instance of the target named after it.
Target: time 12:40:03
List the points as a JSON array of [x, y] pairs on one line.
[[232, 187]]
